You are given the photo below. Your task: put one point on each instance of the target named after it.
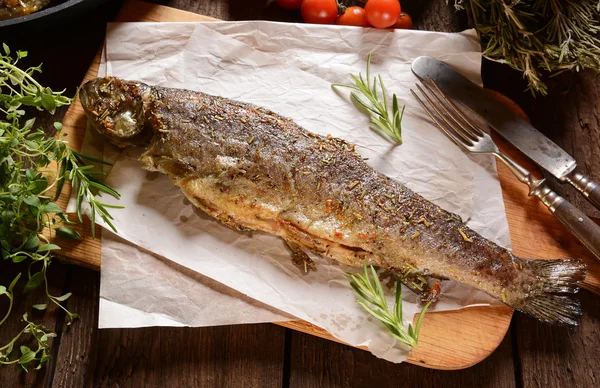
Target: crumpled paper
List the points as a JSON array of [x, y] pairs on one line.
[[289, 68], [142, 289]]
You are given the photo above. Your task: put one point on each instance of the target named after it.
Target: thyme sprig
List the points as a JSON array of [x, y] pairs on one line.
[[41, 354], [537, 36], [371, 297], [33, 171], [376, 106]]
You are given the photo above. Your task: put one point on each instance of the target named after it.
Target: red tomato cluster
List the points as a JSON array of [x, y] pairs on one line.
[[376, 13]]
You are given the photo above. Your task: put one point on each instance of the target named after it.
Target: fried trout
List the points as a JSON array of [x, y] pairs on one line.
[[253, 169]]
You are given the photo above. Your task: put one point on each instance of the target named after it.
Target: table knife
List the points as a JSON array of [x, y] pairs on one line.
[[517, 131]]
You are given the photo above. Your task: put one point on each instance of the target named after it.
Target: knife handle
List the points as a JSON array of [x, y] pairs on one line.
[[580, 225], [588, 188]]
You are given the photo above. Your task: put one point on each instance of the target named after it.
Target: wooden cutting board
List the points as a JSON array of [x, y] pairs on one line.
[[448, 340]]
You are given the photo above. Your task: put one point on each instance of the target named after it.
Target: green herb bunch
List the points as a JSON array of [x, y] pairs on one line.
[[33, 171], [377, 107], [537, 36], [371, 297]]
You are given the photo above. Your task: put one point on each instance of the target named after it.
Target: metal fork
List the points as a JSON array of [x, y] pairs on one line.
[[471, 138]]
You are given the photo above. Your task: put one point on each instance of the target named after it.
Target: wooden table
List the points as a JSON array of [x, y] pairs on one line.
[[265, 355]]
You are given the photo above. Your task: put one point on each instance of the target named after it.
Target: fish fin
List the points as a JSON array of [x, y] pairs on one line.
[[415, 281], [554, 277], [555, 309], [300, 258]]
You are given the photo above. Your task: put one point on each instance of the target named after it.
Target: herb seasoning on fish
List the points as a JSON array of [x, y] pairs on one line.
[[202, 143]]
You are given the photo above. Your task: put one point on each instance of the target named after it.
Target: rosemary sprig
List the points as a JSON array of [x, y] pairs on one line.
[[537, 36], [377, 107], [371, 297]]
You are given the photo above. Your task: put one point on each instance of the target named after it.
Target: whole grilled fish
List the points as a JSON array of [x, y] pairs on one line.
[[254, 169]]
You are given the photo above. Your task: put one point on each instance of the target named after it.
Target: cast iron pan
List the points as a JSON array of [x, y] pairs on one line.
[[59, 11]]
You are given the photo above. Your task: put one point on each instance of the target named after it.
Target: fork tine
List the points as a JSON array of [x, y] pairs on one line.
[[448, 133], [477, 130], [461, 130], [453, 126]]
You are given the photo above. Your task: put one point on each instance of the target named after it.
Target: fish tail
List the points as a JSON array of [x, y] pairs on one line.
[[553, 277]]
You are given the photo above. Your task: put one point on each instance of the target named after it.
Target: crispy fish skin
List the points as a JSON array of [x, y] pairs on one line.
[[254, 169]]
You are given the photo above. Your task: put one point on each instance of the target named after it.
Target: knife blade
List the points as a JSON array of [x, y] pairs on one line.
[[510, 126]]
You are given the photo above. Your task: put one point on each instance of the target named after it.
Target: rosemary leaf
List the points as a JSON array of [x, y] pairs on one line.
[[398, 304], [537, 37], [371, 297], [377, 107], [420, 320]]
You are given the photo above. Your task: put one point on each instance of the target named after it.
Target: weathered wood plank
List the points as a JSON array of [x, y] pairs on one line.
[[235, 9], [559, 356], [225, 356], [75, 356], [569, 116], [435, 15], [479, 332], [320, 363], [13, 375]]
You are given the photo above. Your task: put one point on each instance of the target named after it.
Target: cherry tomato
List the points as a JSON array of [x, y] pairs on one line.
[[319, 11], [382, 13], [289, 4], [354, 16], [404, 21]]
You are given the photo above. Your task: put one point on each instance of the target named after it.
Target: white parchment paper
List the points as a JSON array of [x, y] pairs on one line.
[[141, 289], [289, 69]]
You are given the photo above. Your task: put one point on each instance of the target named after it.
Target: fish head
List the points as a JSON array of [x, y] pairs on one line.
[[115, 108]]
